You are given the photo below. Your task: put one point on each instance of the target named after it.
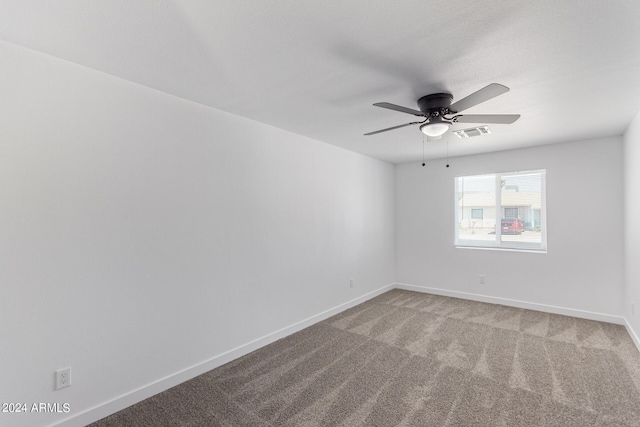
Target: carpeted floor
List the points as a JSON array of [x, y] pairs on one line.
[[413, 359]]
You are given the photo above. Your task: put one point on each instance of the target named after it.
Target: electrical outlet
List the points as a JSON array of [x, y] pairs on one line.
[[351, 283], [481, 279], [63, 378]]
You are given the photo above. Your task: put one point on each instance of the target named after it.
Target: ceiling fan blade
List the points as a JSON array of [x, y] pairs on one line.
[[504, 119], [484, 94], [391, 128], [399, 108]]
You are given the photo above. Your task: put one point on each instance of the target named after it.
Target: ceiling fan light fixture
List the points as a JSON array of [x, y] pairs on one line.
[[435, 129]]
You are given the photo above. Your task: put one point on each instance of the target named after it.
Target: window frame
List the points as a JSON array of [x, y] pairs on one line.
[[499, 243]]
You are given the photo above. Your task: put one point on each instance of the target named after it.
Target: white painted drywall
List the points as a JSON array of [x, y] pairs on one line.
[[142, 234], [582, 270], [632, 226]]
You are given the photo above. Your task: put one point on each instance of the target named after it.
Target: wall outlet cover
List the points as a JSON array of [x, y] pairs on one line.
[[63, 378]]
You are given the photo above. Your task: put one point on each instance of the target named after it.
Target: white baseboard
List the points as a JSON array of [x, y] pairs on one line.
[[107, 408], [619, 320], [632, 333]]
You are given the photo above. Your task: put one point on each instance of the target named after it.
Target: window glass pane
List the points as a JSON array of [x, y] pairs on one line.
[[521, 199], [476, 193]]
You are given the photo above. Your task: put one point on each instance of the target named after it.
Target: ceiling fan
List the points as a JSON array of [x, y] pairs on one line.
[[439, 113]]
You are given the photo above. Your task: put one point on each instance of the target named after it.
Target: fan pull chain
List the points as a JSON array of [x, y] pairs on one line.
[[447, 149], [423, 151]]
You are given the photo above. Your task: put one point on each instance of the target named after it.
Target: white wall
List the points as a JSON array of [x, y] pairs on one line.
[[632, 226], [142, 235], [582, 273]]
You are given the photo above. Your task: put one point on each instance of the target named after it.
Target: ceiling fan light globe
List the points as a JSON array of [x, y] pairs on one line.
[[435, 129]]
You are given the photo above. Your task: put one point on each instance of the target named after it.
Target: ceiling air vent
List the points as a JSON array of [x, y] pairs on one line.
[[468, 133]]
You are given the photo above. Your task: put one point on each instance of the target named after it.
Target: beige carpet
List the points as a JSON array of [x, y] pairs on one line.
[[412, 359]]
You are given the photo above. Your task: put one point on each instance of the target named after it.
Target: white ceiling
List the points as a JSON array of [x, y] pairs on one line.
[[315, 68]]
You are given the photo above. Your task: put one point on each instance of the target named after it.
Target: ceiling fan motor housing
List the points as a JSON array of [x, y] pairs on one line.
[[435, 101]]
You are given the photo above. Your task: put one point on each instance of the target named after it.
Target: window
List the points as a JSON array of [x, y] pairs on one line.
[[510, 212], [477, 213], [518, 196]]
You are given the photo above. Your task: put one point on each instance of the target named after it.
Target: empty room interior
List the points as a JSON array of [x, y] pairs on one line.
[[319, 213]]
